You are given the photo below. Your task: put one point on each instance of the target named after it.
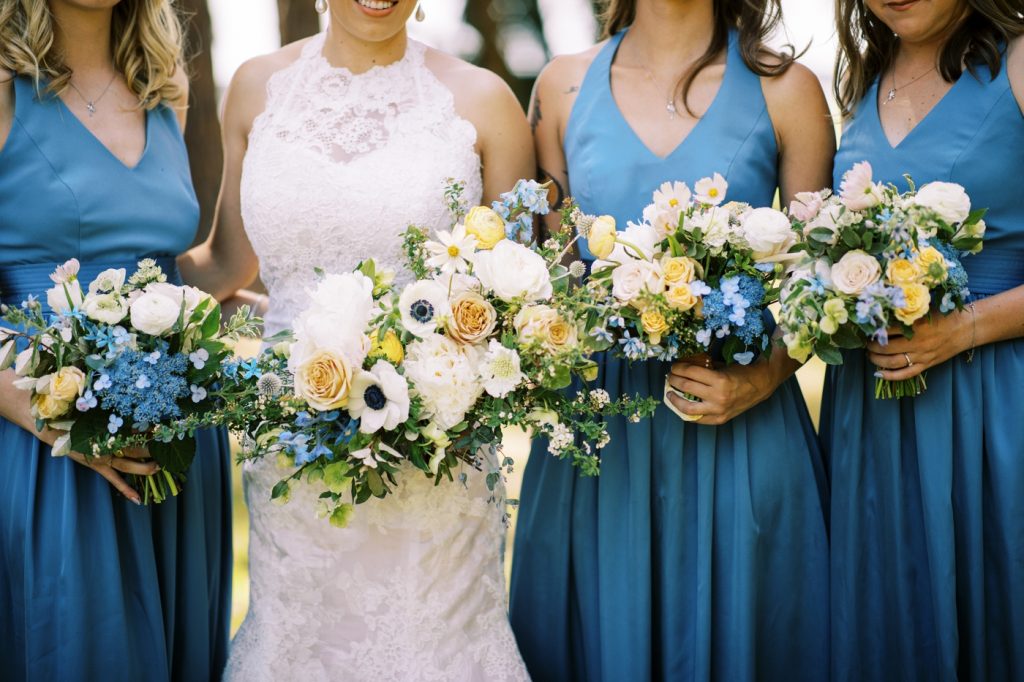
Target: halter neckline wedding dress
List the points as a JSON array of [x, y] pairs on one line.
[[338, 165]]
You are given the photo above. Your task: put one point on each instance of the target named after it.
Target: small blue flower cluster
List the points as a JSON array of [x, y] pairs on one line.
[[114, 339], [957, 276], [871, 305], [143, 387], [529, 195], [725, 310], [315, 435]]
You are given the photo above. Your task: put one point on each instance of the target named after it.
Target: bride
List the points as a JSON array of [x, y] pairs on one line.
[[333, 145]]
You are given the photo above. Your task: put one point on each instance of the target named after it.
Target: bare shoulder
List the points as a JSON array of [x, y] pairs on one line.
[[797, 82], [565, 73], [246, 96], [795, 100], [473, 87], [1015, 68], [180, 103]]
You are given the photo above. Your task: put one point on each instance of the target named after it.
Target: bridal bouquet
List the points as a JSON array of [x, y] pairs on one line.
[[874, 259], [694, 277], [374, 376], [128, 362]]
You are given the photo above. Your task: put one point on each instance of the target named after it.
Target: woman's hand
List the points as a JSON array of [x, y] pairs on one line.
[[725, 393], [936, 339], [131, 461]]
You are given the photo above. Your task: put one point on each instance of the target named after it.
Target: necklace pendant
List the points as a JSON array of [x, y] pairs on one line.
[[671, 109], [891, 96], [91, 108]]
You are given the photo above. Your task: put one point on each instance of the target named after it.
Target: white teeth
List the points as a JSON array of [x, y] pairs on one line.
[[378, 4]]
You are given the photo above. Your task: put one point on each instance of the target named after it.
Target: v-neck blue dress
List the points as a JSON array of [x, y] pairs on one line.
[[928, 493], [700, 552], [93, 587]]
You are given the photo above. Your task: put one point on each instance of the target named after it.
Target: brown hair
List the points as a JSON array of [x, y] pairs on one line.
[[755, 20], [867, 46], [146, 41]]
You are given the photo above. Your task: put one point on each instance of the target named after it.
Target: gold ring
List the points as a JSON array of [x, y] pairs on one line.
[[910, 363]]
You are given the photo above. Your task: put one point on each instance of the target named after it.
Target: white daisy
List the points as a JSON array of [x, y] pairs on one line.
[[711, 190], [453, 250]]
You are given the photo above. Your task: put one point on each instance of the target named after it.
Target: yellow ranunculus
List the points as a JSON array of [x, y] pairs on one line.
[[323, 379], [932, 265], [902, 271], [67, 384], [654, 324], [918, 300], [680, 297], [48, 407], [679, 270], [601, 239], [472, 319], [486, 225], [389, 348]]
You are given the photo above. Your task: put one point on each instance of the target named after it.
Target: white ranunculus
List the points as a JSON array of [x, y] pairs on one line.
[[769, 234], [424, 307], [315, 331], [108, 281], [189, 296], [500, 370], [105, 308], [445, 375], [63, 297], [379, 398], [154, 313], [948, 199], [512, 271], [854, 272]]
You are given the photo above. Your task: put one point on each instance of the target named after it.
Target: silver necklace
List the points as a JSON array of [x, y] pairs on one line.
[[670, 105], [90, 104], [892, 91]]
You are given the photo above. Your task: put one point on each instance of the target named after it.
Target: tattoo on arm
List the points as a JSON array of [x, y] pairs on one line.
[[573, 89], [559, 190], [535, 115]]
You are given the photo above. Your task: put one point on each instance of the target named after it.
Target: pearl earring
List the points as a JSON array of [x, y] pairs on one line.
[[320, 6], [420, 14]]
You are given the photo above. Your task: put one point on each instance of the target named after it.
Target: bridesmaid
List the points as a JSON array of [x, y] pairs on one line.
[[701, 551], [928, 493], [93, 166]]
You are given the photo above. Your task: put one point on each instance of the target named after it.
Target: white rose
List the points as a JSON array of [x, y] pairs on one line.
[[513, 271], [948, 199], [635, 276], [854, 272], [63, 297], [107, 281], [190, 296], [154, 313], [769, 234], [105, 308]]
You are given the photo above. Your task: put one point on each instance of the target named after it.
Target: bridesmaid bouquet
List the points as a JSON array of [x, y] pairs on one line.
[[128, 362], [693, 279], [374, 376], [873, 259]]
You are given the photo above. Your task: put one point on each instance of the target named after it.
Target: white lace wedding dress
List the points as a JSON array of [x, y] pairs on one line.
[[337, 166]]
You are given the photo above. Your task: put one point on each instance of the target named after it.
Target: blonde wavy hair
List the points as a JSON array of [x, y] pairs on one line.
[[146, 38]]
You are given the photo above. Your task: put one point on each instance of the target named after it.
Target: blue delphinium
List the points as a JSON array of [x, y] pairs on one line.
[[528, 195], [318, 435], [144, 387]]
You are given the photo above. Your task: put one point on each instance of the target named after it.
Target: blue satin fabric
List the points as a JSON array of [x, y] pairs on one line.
[[928, 493], [700, 552], [93, 587]]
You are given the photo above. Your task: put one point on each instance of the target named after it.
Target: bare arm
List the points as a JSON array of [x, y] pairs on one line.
[[180, 105], [6, 106]]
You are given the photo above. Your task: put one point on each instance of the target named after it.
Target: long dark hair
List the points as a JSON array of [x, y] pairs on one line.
[[755, 20], [867, 46]]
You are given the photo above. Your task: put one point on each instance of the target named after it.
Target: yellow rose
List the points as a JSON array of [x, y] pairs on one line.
[[486, 225], [902, 271], [323, 379], [932, 265], [681, 269], [67, 384], [390, 347], [918, 301], [472, 318], [542, 324], [654, 324], [561, 334], [601, 238], [46, 406], [680, 297]]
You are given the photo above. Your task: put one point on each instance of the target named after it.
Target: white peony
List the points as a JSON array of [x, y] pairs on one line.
[[512, 271], [446, 377], [108, 281], [65, 296], [854, 272], [349, 295], [154, 313], [424, 307], [379, 398], [947, 199], [105, 308], [500, 370], [769, 234]]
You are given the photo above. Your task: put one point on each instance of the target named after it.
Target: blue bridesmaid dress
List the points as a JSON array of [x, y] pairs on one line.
[[700, 552], [928, 492], [93, 587]]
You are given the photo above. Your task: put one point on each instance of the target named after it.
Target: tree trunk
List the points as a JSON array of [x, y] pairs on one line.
[[202, 134], [297, 20], [480, 14]]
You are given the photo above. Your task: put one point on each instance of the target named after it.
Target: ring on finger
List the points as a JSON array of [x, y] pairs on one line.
[[910, 363]]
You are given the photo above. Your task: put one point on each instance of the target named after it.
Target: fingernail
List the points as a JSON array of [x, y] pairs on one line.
[[136, 500], [879, 375]]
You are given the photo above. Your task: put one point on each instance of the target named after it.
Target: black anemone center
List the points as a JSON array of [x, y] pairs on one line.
[[374, 398], [422, 311]]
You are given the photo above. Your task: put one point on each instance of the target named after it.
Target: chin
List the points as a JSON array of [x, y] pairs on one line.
[[372, 20], [917, 20]]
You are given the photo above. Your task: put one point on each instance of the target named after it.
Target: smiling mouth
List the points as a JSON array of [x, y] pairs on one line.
[[901, 5], [377, 5]]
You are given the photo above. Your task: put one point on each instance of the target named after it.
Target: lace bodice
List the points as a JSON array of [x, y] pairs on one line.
[[337, 167], [339, 164]]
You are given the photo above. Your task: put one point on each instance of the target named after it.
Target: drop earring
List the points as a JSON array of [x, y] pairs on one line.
[[420, 14], [320, 6]]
